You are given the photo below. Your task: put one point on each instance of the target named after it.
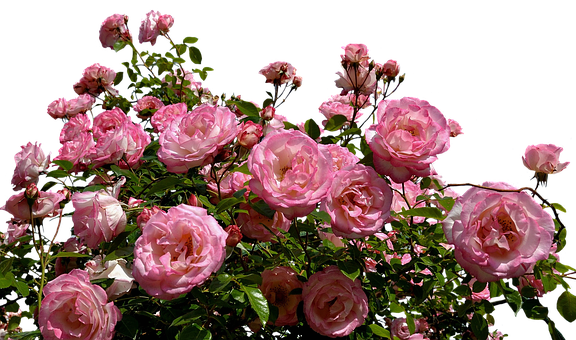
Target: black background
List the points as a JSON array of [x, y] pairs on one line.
[[502, 75]]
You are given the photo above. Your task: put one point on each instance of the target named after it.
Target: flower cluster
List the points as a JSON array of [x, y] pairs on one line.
[[216, 217]]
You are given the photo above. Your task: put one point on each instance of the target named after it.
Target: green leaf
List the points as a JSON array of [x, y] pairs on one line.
[[120, 253], [258, 302], [335, 123], [163, 184], [195, 55], [396, 308], [22, 287], [429, 212], [557, 206], [243, 169], [478, 286], [70, 254], [65, 165], [410, 323], [513, 298], [228, 203], [350, 268], [379, 331], [190, 40], [194, 332], [425, 183], [118, 78], [128, 326], [267, 102], [534, 309], [57, 174], [554, 332], [262, 208], [6, 265], [566, 306], [119, 45], [246, 108], [219, 282], [322, 216], [312, 129], [479, 327]]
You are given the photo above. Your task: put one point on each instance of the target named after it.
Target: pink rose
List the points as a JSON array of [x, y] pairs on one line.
[[145, 216], [194, 139], [178, 250], [341, 156], [544, 159], [15, 230], [147, 103], [259, 227], [123, 145], [531, 281], [74, 127], [77, 151], [333, 108], [30, 163], [95, 80], [274, 124], [409, 134], [165, 22], [46, 204], [334, 305], [114, 29], [234, 235], [58, 108], [355, 54], [149, 28], [229, 183], [278, 73], [268, 112], [482, 295], [73, 308], [114, 269], [390, 69], [498, 235], [81, 104], [336, 240], [291, 172], [98, 217], [358, 202], [399, 328], [162, 118], [249, 134], [109, 120], [276, 287], [455, 128]]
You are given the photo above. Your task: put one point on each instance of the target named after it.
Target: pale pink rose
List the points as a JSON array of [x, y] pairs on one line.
[[77, 151], [278, 73], [109, 120], [234, 235], [268, 112], [333, 108], [357, 78], [114, 269], [149, 28], [341, 156], [145, 216], [390, 69], [147, 103], [477, 297], [544, 159], [114, 29], [178, 250], [455, 128], [73, 308], [194, 139], [334, 305], [532, 281], [137, 141], [256, 226], [249, 134], [276, 287], [355, 54], [411, 193], [74, 127], [15, 230], [162, 118], [135, 202], [81, 104], [95, 80], [409, 134], [291, 172], [498, 235], [399, 328], [58, 108], [358, 202], [297, 81], [275, 124], [336, 240], [30, 163], [360, 101], [98, 217], [165, 22], [123, 146], [46, 204]]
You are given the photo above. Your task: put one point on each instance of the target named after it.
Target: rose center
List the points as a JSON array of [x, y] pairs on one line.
[[279, 296], [508, 228]]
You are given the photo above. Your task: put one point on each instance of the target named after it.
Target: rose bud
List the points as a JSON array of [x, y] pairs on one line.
[[31, 193], [234, 235], [193, 200], [391, 69], [268, 113], [297, 81], [250, 134]]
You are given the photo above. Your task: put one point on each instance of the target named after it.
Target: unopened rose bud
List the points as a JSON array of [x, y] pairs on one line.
[[193, 201], [145, 216], [234, 235], [268, 112], [391, 68], [297, 81], [31, 193], [250, 134]]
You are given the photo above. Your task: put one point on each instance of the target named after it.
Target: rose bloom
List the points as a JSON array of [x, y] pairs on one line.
[[73, 308], [334, 305], [409, 134], [145, 216], [341, 156], [123, 146], [147, 103], [477, 297], [81, 104], [98, 217], [532, 281], [291, 172], [356, 54], [114, 29], [95, 80], [357, 77], [249, 134], [268, 112], [234, 235], [194, 139], [109, 120], [177, 251], [258, 227], [74, 127], [47, 204], [30, 162], [77, 150], [116, 270], [399, 328], [58, 108], [151, 23], [333, 108], [229, 184], [15, 230], [276, 287], [162, 118], [391, 68], [544, 159], [358, 202], [278, 73], [455, 128], [498, 235]]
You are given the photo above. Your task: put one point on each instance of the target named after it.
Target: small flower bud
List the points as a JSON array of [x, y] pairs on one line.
[[268, 113], [391, 69], [234, 235], [31, 193], [193, 201], [297, 81], [249, 134]]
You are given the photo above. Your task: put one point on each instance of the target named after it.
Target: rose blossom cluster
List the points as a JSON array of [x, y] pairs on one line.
[[62, 108], [95, 80], [154, 25]]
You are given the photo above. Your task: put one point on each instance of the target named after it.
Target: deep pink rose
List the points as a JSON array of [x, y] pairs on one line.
[[114, 29], [73, 308], [46, 204], [147, 103], [234, 235], [291, 172], [95, 80], [258, 227], [162, 118], [341, 156], [498, 235], [544, 159], [165, 22], [149, 28], [77, 151], [178, 250], [98, 217], [109, 120], [81, 104], [58, 108], [358, 202], [278, 73], [355, 54], [409, 134], [276, 287], [30, 162], [74, 127], [334, 305], [123, 146], [390, 69], [194, 139], [249, 134]]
